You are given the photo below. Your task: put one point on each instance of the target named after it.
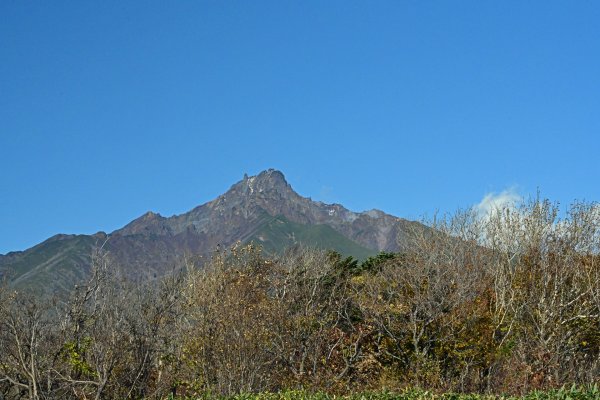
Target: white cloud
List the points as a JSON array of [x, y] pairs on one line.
[[493, 202]]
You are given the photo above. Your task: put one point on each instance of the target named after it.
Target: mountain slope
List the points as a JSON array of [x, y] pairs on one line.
[[278, 233], [54, 264], [262, 208]]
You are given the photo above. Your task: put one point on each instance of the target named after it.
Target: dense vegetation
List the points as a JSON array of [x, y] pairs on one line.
[[504, 303]]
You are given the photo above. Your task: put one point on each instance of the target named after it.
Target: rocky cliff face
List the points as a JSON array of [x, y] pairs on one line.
[[151, 244]]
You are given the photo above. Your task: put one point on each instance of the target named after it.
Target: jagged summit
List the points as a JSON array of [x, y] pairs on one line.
[[244, 198], [270, 177], [265, 182]]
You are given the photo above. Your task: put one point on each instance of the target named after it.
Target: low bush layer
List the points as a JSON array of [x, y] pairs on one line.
[[566, 393]]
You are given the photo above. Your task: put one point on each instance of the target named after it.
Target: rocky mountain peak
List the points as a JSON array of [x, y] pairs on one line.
[[268, 184], [238, 212], [270, 179]]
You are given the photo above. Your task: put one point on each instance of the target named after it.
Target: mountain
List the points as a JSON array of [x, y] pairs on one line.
[[262, 209]]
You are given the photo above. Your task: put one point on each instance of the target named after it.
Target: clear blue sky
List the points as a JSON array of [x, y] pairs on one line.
[[110, 109]]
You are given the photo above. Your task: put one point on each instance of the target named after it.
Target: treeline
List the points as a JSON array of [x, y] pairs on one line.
[[503, 303]]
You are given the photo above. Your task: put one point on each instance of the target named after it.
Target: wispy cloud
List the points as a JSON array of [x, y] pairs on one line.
[[493, 201]]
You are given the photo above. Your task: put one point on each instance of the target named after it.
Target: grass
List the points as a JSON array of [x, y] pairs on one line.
[[566, 393]]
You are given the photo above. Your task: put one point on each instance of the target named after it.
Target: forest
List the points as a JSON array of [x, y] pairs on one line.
[[503, 303]]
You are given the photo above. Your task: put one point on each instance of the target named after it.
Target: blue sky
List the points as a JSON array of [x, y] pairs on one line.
[[111, 109]]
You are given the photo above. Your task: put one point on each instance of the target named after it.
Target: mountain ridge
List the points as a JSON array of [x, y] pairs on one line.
[[270, 191], [151, 243]]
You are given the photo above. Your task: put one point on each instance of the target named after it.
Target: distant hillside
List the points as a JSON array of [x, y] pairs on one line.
[[278, 233], [262, 208]]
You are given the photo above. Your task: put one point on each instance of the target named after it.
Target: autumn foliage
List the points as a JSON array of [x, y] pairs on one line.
[[503, 303]]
